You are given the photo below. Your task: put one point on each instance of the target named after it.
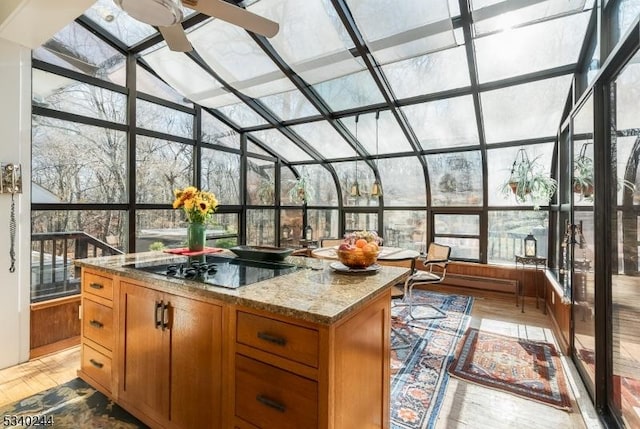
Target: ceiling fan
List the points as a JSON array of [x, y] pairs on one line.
[[167, 16]]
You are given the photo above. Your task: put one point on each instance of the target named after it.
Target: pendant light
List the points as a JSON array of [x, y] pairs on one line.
[[376, 189], [355, 188]]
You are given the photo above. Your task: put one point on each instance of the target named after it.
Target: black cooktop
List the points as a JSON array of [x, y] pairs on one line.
[[218, 270]]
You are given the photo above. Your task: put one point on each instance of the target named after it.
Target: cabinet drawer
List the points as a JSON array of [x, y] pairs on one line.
[[271, 398], [97, 323], [280, 338], [97, 366], [97, 285]]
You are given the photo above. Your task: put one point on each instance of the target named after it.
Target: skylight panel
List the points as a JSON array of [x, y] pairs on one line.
[[312, 39], [524, 111], [495, 15], [325, 139], [242, 115], [391, 139], [183, 74], [450, 122], [231, 52], [117, 22], [289, 105], [281, 145], [150, 84], [426, 74], [404, 29], [532, 48], [75, 48], [347, 92]]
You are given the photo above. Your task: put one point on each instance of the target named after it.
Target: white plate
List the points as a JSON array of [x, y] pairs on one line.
[[341, 268]]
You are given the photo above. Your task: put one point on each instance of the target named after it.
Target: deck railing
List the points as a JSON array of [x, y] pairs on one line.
[[52, 255]]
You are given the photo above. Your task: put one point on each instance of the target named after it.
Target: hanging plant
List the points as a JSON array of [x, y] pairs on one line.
[[583, 174], [301, 191], [529, 182], [265, 191]]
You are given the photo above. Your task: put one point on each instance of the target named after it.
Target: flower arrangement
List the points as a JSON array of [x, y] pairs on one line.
[[198, 205], [368, 236]]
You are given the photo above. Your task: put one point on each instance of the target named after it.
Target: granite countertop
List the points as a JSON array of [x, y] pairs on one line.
[[315, 293]]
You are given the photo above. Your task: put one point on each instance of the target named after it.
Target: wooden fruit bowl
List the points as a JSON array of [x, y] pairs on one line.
[[355, 259]]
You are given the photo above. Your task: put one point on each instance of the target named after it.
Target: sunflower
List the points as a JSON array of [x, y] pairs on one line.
[[198, 205]]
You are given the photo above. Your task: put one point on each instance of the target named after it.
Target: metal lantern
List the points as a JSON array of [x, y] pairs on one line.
[[308, 233], [530, 245], [286, 232]]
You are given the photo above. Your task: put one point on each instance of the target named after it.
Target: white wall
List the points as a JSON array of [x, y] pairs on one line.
[[15, 147]]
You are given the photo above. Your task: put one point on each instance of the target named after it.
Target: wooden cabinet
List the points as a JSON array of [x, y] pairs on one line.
[[97, 330], [177, 361], [294, 374], [171, 359]]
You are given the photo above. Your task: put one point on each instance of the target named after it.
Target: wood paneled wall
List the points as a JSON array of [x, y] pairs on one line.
[[55, 325]]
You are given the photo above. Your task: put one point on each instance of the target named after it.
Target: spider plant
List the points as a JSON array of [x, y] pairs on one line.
[[529, 182], [301, 191]]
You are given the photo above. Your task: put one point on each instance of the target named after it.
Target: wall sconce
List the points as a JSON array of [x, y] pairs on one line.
[[530, 245]]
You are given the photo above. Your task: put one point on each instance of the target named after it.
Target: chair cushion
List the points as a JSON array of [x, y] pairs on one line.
[[422, 276]]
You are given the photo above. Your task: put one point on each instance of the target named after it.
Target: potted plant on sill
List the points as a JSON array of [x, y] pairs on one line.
[[528, 181]]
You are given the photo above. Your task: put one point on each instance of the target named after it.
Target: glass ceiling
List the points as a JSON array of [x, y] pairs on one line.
[[299, 92]]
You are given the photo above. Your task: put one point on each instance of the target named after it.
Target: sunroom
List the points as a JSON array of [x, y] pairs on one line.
[[409, 119]]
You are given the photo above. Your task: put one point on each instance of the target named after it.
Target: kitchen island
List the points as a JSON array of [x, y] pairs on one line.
[[307, 349]]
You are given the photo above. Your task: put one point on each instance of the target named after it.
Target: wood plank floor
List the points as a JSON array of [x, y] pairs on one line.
[[465, 405]]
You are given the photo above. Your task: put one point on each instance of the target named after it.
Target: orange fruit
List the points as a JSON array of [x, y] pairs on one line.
[[368, 248], [374, 245], [361, 242]]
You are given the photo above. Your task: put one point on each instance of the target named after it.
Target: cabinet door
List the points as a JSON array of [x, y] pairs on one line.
[[196, 363], [144, 377]]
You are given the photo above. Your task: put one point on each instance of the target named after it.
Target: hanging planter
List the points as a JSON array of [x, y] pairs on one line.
[[528, 181], [583, 174], [301, 192]]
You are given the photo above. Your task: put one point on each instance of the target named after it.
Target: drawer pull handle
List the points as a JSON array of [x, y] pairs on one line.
[[157, 314], [165, 316], [96, 363], [96, 324], [96, 285], [272, 338], [271, 403]]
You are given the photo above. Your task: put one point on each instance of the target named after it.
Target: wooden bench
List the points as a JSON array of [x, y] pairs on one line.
[[484, 283]]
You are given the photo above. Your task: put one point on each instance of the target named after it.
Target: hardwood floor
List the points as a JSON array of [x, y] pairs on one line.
[[465, 405], [26, 379]]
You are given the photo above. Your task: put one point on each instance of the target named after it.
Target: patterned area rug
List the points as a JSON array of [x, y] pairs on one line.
[[419, 377], [73, 405], [529, 369]]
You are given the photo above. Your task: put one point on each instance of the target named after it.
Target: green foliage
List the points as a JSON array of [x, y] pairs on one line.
[[157, 245], [583, 176], [226, 243], [301, 191], [529, 182]]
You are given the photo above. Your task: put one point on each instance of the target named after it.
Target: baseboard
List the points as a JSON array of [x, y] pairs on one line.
[[54, 347], [482, 283]]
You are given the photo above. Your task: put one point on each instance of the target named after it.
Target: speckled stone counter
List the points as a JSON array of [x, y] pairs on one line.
[[314, 293]]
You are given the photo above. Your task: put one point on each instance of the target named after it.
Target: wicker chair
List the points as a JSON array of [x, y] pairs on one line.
[[436, 263]]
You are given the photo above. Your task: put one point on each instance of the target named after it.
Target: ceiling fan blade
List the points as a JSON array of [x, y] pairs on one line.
[[176, 38], [235, 15]]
